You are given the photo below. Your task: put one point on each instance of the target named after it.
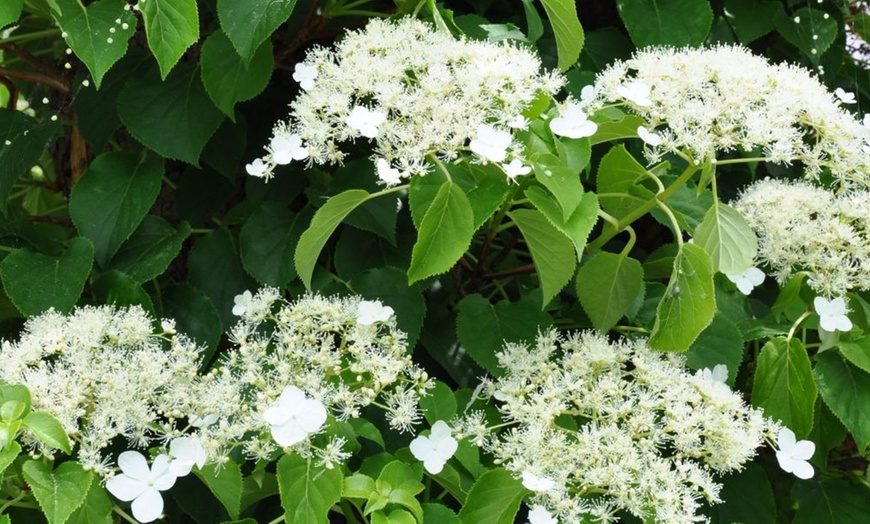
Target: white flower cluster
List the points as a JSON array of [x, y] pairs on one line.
[[702, 102], [103, 374], [295, 362], [600, 426], [415, 92], [802, 227]]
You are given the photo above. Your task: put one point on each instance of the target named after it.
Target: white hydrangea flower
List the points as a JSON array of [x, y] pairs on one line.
[[287, 148], [491, 144], [637, 92], [540, 515], [649, 137], [748, 280], [294, 417], [793, 455], [305, 74], [573, 122], [204, 421], [719, 373], [844, 96], [516, 168], [141, 484], [365, 120], [242, 303], [185, 453], [723, 99], [371, 311], [257, 168], [832, 314], [801, 227], [436, 449], [388, 175], [436, 90], [533, 482]]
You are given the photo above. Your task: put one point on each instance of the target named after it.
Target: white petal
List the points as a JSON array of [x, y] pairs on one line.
[[433, 465], [148, 506], [291, 396], [421, 448], [277, 416], [446, 447], [802, 469], [785, 439], [312, 415], [803, 450], [134, 465], [125, 488], [440, 429], [180, 468], [786, 462], [754, 275], [289, 434]]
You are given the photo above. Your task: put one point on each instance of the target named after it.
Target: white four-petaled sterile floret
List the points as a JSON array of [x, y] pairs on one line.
[[142, 484], [832, 314], [294, 417], [793, 455], [573, 122], [305, 74], [436, 449], [748, 280], [491, 144]]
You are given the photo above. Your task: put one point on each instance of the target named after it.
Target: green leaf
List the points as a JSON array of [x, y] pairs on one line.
[[788, 295], [567, 29], [59, 492], [749, 498], [827, 433], [174, 117], [561, 181], [857, 352], [494, 499], [607, 285], [22, 142], [171, 27], [483, 328], [440, 403], [688, 304], [832, 501], [574, 153], [438, 514], [618, 175], [784, 386], [18, 394], [720, 343], [578, 225], [325, 220], [8, 455], [97, 508], [673, 23], [150, 249], [10, 11], [89, 30], [267, 241], [248, 24], [36, 282], [112, 197], [194, 315], [225, 482], [485, 186], [307, 492], [358, 486], [846, 390], [626, 127], [214, 268], [445, 233], [552, 252], [751, 19], [727, 237], [48, 430], [811, 32], [230, 79]]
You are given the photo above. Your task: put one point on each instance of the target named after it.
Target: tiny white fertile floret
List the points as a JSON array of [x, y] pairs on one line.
[[294, 417], [141, 484], [572, 122], [793, 454], [748, 280], [832, 314], [436, 449], [371, 311]]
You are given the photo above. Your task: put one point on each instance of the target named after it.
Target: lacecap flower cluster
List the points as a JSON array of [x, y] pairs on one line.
[[412, 92]]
